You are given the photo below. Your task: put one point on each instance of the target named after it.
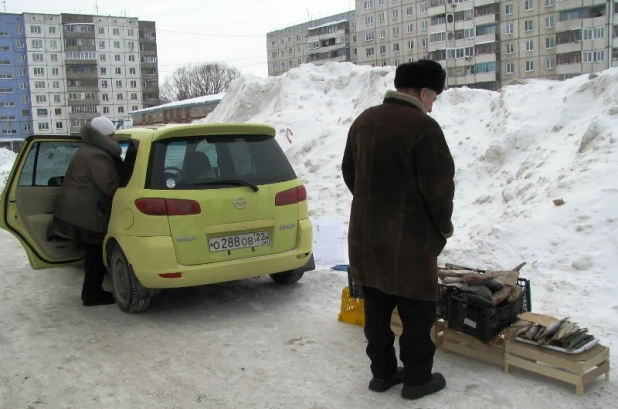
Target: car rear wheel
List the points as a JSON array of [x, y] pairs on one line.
[[288, 277], [125, 288]]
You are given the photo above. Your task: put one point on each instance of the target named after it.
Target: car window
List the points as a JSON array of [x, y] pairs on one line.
[[47, 163], [203, 162]]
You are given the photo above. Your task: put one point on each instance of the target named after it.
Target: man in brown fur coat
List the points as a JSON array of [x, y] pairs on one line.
[[400, 172]]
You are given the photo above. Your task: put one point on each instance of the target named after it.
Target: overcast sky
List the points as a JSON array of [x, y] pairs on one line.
[[193, 31]]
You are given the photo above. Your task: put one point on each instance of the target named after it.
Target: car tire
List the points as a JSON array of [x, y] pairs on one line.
[[124, 284], [288, 277]]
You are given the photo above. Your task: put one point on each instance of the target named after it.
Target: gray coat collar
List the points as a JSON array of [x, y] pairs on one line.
[[93, 137], [406, 98]]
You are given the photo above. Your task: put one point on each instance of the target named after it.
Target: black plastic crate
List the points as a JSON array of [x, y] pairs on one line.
[[444, 292], [483, 322]]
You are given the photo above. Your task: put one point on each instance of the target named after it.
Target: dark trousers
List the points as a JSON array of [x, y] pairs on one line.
[[416, 347], [95, 270]]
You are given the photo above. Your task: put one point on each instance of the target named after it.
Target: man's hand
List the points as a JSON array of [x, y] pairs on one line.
[[449, 234]]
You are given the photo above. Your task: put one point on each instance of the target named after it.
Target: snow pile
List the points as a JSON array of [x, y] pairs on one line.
[[7, 158], [515, 151]]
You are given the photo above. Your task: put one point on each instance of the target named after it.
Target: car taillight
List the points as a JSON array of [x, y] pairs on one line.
[[167, 207], [291, 196]]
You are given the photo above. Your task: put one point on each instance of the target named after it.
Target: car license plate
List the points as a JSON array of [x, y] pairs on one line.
[[239, 241]]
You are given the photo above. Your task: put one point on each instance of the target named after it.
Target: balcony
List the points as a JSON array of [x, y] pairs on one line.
[[438, 28], [436, 11], [81, 75], [83, 102], [485, 38], [485, 77], [324, 36], [485, 58], [478, 3], [437, 46], [487, 19], [569, 69], [568, 47]]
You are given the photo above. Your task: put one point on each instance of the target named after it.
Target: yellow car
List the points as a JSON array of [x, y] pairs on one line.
[[200, 204]]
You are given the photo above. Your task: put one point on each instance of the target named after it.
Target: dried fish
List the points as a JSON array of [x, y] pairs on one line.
[[530, 334], [582, 342], [523, 329], [563, 331], [553, 328]]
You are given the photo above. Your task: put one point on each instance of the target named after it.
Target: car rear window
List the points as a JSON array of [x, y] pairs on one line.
[[208, 162]]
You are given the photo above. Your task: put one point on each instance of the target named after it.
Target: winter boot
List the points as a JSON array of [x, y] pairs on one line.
[[436, 383], [90, 299], [382, 385]]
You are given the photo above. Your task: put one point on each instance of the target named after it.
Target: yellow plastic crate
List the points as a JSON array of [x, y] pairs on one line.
[[352, 309]]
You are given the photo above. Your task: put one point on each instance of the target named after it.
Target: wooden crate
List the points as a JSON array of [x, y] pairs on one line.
[[455, 341], [436, 331], [578, 369]]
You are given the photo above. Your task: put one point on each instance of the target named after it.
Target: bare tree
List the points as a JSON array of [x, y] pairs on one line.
[[190, 81]]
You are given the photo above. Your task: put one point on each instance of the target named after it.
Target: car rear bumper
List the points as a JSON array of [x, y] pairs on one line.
[[156, 256]]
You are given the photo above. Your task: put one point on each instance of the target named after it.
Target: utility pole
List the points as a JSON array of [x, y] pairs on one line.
[[4, 5]]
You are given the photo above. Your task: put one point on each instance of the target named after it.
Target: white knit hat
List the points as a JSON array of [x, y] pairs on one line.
[[103, 125]]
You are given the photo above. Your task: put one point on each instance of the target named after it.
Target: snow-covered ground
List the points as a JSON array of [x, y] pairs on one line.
[[253, 344]]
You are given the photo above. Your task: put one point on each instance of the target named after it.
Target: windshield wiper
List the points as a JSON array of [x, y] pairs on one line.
[[239, 182]]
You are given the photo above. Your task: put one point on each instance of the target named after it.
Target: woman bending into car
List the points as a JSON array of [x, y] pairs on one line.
[[85, 202]]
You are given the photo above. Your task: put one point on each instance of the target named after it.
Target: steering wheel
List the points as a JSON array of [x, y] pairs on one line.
[[177, 170]]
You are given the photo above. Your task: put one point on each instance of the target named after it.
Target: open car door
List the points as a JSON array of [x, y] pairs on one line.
[[30, 195]]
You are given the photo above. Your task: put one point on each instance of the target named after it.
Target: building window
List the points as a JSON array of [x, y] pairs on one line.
[[116, 31], [118, 83], [529, 66], [21, 43], [102, 57], [550, 42], [39, 71], [508, 9], [529, 45], [132, 71], [395, 31], [368, 20], [410, 28], [105, 97], [424, 7], [59, 125], [131, 58], [424, 25], [25, 100], [549, 3], [410, 45], [23, 85], [368, 4], [39, 84], [382, 49], [56, 84], [104, 84], [57, 99], [381, 18], [118, 70], [134, 108], [369, 36], [106, 110], [19, 30], [549, 63], [425, 42], [528, 5], [529, 25], [43, 126], [508, 29], [119, 97], [22, 72], [133, 97], [120, 110], [37, 43], [41, 112], [37, 57], [409, 11], [593, 56], [131, 32], [133, 84], [550, 21], [103, 70], [102, 44], [370, 51], [41, 99], [101, 30], [116, 44], [35, 29], [116, 57], [396, 47], [382, 33], [510, 48], [594, 33], [395, 14], [53, 44]]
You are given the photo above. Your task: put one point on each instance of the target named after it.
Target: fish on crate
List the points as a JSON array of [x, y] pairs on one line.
[[562, 334]]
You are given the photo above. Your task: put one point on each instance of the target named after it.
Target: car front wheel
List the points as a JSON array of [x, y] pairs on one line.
[[125, 286]]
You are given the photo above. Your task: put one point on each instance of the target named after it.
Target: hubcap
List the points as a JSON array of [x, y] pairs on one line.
[[121, 284]]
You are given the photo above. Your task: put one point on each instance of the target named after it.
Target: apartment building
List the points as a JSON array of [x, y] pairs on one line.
[[15, 108], [77, 67], [488, 43], [317, 42]]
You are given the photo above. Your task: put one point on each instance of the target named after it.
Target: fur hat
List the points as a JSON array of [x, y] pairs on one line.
[[420, 74], [103, 125]]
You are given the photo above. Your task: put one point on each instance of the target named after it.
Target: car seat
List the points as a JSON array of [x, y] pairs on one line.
[[197, 165]]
